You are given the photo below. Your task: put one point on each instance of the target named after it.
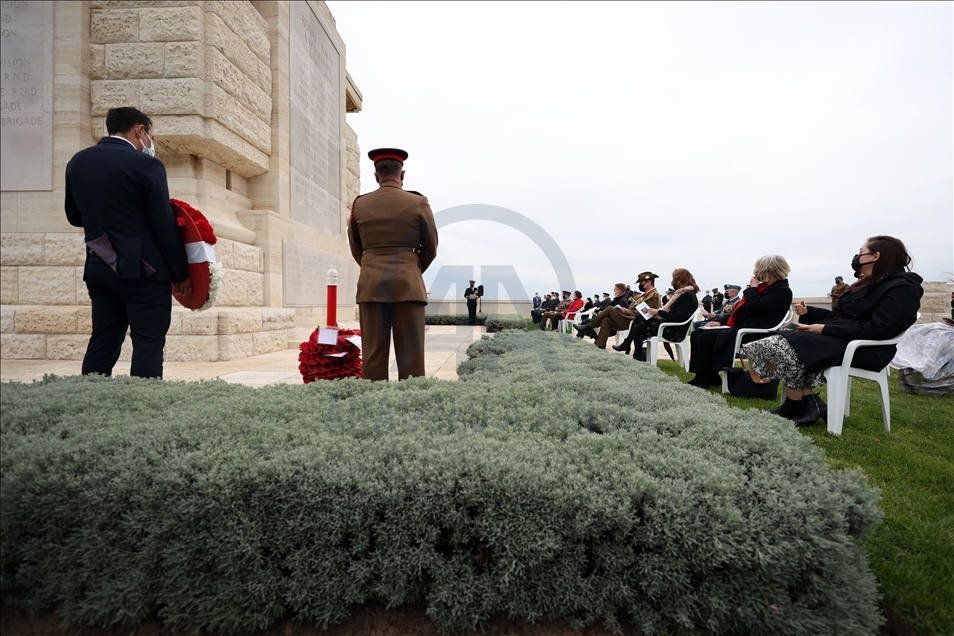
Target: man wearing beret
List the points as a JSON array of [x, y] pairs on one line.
[[732, 298], [393, 239]]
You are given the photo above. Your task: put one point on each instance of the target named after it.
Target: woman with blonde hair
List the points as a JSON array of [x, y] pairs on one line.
[[882, 303], [764, 303], [682, 304]]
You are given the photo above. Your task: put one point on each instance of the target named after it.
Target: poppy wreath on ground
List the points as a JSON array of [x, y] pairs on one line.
[[330, 362], [205, 272]]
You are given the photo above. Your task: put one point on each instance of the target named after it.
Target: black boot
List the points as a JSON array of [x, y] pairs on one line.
[[581, 330], [815, 409], [624, 346], [790, 409], [640, 354]]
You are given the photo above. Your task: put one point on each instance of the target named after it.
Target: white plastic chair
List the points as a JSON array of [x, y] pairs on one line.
[[839, 384], [741, 333], [575, 318], [682, 348]]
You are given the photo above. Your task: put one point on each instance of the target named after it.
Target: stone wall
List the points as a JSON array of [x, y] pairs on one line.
[[199, 68], [213, 76]]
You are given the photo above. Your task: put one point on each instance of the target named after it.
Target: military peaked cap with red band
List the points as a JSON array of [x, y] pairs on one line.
[[387, 153]]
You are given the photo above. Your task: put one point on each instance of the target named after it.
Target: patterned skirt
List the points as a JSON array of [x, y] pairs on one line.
[[789, 370]]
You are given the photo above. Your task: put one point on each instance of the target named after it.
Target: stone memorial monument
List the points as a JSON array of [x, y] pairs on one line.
[[248, 101]]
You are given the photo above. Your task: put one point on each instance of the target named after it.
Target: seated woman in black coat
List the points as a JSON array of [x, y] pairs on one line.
[[882, 303], [764, 303], [682, 304]]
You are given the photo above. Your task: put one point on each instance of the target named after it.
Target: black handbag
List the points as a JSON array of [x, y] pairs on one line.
[[749, 384]]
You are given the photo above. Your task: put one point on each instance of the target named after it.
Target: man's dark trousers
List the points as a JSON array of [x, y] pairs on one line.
[[118, 303], [472, 311]]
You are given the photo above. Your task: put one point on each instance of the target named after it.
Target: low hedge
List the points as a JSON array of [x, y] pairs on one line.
[[501, 322], [452, 319], [493, 322], [553, 481]]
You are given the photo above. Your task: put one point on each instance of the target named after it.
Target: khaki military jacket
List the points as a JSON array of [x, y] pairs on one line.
[[651, 298], [393, 238]]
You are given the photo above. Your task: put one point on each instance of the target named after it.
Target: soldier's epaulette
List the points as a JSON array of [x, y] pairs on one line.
[[355, 201], [415, 192]]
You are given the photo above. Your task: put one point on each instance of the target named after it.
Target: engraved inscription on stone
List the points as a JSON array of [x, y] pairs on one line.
[[315, 122], [26, 95], [305, 276]]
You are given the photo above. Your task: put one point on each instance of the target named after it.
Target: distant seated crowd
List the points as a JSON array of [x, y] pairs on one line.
[[882, 303]]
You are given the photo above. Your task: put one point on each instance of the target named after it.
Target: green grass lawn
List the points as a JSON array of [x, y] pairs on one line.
[[912, 552]]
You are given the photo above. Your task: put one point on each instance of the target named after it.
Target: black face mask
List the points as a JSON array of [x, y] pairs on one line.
[[641, 287], [856, 263]]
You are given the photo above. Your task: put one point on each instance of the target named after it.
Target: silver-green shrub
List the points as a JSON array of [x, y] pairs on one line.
[[553, 481]]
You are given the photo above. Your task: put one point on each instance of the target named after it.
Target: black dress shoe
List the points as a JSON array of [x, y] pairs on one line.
[[624, 347], [815, 410]]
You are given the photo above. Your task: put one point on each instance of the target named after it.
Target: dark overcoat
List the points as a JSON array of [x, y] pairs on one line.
[[878, 311], [711, 349], [682, 309]]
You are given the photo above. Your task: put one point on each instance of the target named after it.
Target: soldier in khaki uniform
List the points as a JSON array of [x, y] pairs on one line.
[[613, 319], [837, 291], [394, 239]]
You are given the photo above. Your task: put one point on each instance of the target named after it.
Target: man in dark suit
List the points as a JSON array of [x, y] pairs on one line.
[[471, 295], [117, 192]]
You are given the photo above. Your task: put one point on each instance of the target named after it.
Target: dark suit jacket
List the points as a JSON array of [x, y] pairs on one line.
[[877, 311], [113, 188]]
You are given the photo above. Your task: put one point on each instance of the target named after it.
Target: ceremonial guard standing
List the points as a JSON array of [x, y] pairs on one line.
[[393, 239], [471, 295]]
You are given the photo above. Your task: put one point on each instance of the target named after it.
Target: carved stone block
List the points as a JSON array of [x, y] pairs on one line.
[[192, 348], [135, 60], [66, 346], [22, 347], [236, 346], [173, 24], [45, 320], [21, 249], [47, 285], [111, 26], [64, 249], [106, 94], [7, 319]]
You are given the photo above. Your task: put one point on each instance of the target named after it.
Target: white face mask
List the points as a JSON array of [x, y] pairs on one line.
[[150, 149]]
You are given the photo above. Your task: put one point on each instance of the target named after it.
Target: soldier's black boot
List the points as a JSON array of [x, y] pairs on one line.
[[790, 409], [815, 409]]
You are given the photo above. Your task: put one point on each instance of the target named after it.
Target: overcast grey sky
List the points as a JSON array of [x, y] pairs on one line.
[[653, 136]]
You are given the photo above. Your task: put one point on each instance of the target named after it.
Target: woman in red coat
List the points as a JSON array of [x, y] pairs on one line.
[[881, 304], [764, 303]]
